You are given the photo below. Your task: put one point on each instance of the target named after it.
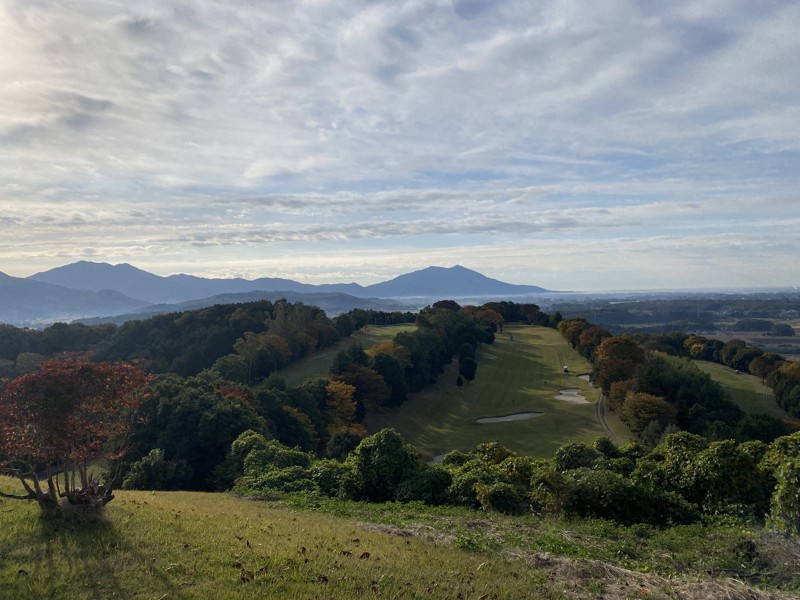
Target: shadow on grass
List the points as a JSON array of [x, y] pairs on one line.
[[59, 558]]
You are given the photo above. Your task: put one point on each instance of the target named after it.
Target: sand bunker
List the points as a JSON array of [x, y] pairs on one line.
[[572, 395], [515, 417], [586, 377]]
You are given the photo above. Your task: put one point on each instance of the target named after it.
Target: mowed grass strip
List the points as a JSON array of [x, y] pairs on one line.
[[318, 364], [193, 545], [520, 372], [746, 390]]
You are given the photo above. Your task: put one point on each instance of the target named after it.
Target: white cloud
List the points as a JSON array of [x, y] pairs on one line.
[[315, 132]]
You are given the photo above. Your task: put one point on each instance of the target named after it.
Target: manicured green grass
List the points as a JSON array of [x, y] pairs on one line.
[[747, 391], [520, 372], [318, 364]]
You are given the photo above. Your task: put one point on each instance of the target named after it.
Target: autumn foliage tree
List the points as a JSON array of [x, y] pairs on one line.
[[54, 420]]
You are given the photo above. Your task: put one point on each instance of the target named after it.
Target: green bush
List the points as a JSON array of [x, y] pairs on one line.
[[574, 456], [153, 472], [378, 465], [501, 497], [327, 475], [785, 506], [428, 485], [462, 489], [548, 489], [287, 479], [274, 455], [608, 495]]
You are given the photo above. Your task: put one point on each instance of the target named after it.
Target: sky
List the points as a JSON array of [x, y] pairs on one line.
[[619, 145]]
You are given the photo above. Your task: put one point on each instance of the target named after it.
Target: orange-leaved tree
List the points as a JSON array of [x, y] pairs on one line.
[[56, 419]]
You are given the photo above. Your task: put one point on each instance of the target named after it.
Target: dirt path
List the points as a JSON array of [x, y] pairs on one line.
[[601, 417]]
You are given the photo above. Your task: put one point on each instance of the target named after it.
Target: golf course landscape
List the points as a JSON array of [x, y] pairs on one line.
[[747, 391], [521, 372]]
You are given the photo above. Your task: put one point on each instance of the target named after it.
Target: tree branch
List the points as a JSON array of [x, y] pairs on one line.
[[30, 496]]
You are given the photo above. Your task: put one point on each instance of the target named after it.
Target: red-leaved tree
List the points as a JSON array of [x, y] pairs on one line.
[[54, 420]]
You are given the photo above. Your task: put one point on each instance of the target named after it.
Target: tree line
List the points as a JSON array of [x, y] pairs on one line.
[[255, 337], [650, 380]]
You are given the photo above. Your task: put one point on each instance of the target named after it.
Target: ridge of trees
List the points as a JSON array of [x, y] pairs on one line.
[[650, 381], [262, 336]]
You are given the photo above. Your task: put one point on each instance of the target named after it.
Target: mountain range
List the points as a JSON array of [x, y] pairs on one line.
[[88, 289]]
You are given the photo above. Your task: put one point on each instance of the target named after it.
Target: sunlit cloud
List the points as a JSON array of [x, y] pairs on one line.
[[555, 143]]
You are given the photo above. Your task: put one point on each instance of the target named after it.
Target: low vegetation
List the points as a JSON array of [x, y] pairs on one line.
[[187, 545]]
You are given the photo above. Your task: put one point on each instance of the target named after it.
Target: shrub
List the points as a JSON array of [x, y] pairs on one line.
[[785, 513], [287, 479], [608, 495], [548, 488], [154, 472], [574, 456], [462, 490], [378, 465], [501, 497], [428, 485], [327, 475], [342, 443], [606, 447], [493, 452], [456, 458]]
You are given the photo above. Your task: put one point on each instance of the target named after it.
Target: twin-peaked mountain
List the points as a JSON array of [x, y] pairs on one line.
[[87, 289]]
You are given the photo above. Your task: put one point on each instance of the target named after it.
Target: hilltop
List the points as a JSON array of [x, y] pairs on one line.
[[199, 545]]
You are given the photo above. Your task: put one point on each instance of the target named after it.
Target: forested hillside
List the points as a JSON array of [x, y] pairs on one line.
[[206, 409]]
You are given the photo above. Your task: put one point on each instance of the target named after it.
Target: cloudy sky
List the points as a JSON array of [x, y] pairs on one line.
[[562, 143]]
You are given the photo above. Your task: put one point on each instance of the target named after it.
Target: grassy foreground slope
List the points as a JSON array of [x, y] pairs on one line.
[[520, 372], [318, 364], [182, 545], [190, 545], [747, 391]]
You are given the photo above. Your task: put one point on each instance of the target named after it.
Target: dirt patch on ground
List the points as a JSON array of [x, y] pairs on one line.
[[572, 395], [515, 417], [585, 579], [591, 579]]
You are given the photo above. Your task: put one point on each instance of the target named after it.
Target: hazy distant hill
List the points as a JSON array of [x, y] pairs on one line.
[[332, 303], [23, 302], [445, 282], [84, 289], [136, 283], [133, 282]]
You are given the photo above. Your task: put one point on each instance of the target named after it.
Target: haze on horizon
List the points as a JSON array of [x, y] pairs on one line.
[[570, 145]]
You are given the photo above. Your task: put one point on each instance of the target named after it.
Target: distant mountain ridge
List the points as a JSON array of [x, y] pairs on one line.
[[139, 284], [84, 290], [455, 281]]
